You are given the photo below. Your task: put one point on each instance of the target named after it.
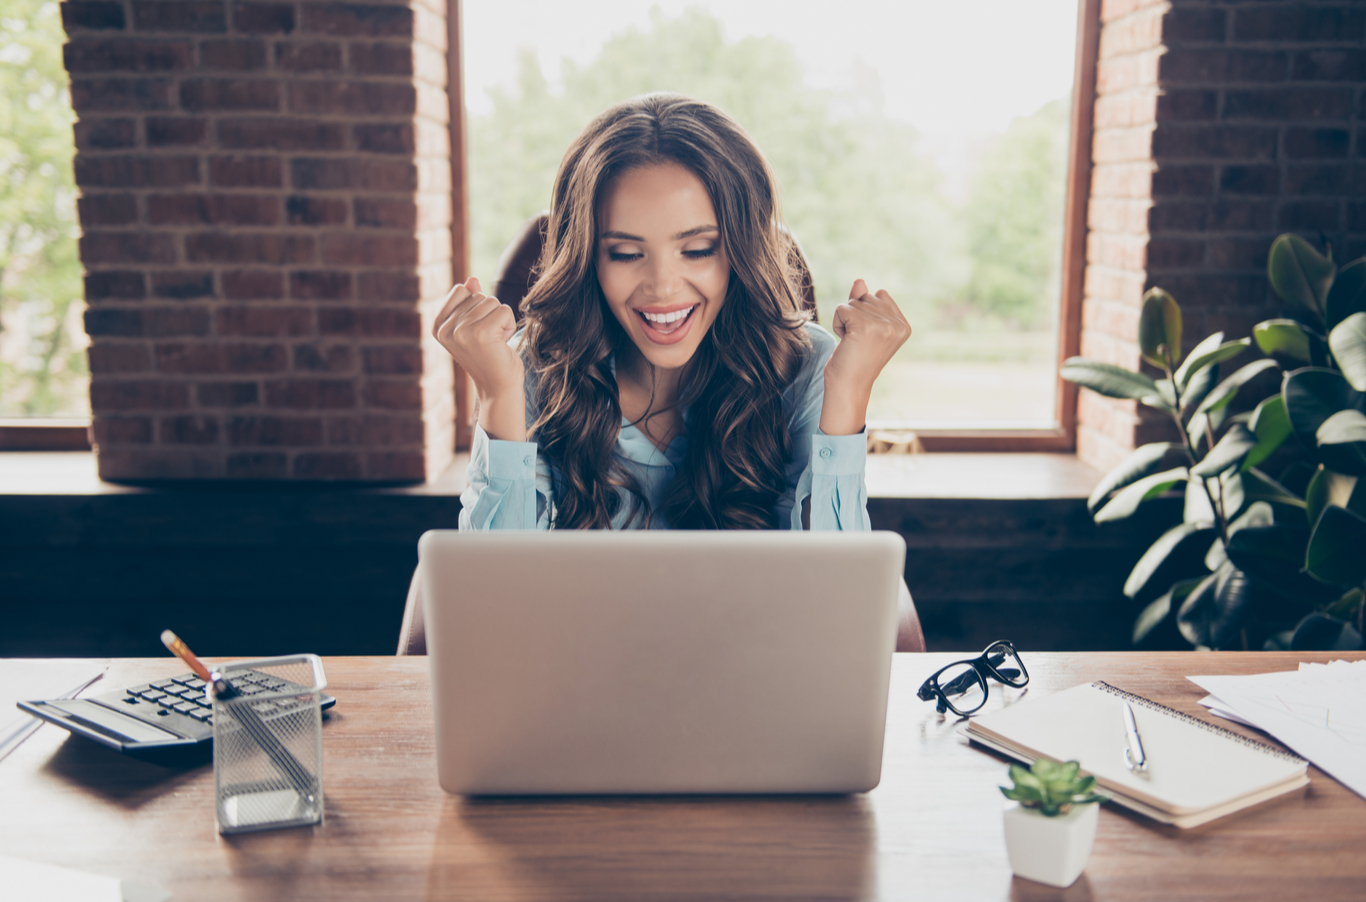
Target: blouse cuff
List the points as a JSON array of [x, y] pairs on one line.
[[838, 455]]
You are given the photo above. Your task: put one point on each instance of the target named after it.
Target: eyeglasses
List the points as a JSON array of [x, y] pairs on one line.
[[961, 687]]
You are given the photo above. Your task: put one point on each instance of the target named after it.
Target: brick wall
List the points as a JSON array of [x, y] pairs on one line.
[[265, 206], [1219, 125]]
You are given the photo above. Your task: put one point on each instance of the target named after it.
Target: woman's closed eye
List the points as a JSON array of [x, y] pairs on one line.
[[700, 253]]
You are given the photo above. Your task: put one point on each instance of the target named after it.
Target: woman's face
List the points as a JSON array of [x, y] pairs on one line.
[[660, 261]]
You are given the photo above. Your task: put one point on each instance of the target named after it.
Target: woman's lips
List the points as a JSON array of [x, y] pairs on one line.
[[668, 333]]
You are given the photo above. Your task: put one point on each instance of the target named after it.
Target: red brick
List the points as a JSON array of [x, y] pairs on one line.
[[266, 430], [94, 95], [204, 16], [263, 18], [188, 430], [106, 134], [256, 466], [229, 94], [358, 20], [126, 247], [313, 211], [107, 209], [248, 247], [311, 394], [369, 250], [1183, 216], [373, 322], [200, 357], [255, 358], [1330, 64], [119, 357], [1214, 290], [381, 58], [1250, 179], [176, 321], [1310, 216], [296, 56], [391, 360], [1206, 65], [236, 56], [281, 134], [324, 358], [392, 394], [1356, 222], [253, 285], [1297, 22], [1174, 181], [246, 172], [137, 394], [399, 466], [1289, 103], [364, 175], [166, 131], [213, 209], [327, 466], [181, 286], [122, 55], [122, 430], [95, 15], [1331, 179], [1187, 105], [398, 286], [1317, 143], [1235, 253], [1191, 25], [265, 321], [227, 394], [124, 172], [1181, 141], [353, 98], [99, 322], [1172, 253], [325, 285], [385, 138], [1239, 214]]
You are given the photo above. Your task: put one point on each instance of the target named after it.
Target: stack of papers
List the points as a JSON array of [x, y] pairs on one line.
[[1319, 711]]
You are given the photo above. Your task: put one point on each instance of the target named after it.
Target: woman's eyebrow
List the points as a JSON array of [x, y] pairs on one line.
[[696, 230]]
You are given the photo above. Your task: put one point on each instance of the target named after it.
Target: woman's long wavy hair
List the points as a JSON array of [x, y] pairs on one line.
[[738, 445]]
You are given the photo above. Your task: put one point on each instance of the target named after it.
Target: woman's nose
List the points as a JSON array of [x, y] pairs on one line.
[[663, 277]]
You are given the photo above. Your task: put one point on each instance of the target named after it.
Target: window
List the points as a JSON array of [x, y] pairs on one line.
[[921, 145]]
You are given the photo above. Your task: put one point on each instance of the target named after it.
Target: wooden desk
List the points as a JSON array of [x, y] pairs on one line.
[[931, 830]]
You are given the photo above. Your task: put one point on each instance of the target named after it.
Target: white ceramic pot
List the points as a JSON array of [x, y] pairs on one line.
[[1051, 850]]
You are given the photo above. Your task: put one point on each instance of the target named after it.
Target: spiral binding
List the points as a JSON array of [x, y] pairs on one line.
[[1202, 724]]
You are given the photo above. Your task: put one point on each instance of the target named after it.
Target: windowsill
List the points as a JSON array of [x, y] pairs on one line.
[[974, 476]]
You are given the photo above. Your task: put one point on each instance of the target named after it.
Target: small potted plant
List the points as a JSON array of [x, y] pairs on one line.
[[1051, 826]]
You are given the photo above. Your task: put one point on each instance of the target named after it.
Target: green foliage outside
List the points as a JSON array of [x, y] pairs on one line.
[[857, 190], [42, 368]]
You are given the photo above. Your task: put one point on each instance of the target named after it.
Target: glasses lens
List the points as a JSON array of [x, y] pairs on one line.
[[963, 687], [1006, 662]]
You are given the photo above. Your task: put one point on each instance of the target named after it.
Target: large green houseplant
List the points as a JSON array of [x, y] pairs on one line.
[[1286, 558]]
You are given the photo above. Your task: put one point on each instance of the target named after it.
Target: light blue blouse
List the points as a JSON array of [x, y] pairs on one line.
[[509, 483]]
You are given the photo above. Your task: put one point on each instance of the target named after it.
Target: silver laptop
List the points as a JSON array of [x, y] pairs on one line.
[[659, 662]]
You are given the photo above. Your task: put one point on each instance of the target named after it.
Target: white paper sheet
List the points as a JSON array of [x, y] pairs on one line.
[[1319, 711], [29, 881]]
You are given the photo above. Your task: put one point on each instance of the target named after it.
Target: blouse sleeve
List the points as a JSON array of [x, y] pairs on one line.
[[505, 488], [827, 469]]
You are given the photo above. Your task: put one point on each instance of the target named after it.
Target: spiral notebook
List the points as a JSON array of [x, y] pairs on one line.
[[1197, 771]]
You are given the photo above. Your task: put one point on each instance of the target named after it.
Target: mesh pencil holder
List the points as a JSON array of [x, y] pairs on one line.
[[268, 744]]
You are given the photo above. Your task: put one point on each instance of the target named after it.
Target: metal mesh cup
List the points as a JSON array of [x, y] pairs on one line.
[[268, 744]]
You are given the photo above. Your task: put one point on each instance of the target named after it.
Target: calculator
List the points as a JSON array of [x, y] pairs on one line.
[[164, 721]]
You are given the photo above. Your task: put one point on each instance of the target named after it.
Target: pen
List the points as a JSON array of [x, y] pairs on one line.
[[1134, 759], [241, 710]]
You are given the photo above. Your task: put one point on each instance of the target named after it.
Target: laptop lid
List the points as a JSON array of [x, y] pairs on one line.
[[659, 662]]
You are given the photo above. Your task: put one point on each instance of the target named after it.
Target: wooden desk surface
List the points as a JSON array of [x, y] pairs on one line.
[[931, 830]]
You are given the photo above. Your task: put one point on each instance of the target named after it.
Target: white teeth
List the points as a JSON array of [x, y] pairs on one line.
[[667, 317]]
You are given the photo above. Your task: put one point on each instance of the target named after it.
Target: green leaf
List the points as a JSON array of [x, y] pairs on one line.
[[1108, 379], [1233, 600], [1227, 489], [1312, 395], [1300, 274], [1272, 428], [1127, 500], [1260, 487], [1199, 388], [1142, 462], [1159, 328], [1275, 555], [1192, 618], [1284, 337], [1197, 507], [1157, 611], [1335, 549], [1166, 393], [1319, 632], [1345, 608], [1348, 294], [1228, 389], [1158, 552], [1348, 342], [1237, 441], [1194, 363], [1342, 427]]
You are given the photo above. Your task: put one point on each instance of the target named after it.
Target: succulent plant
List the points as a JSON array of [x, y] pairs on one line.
[[1051, 787]]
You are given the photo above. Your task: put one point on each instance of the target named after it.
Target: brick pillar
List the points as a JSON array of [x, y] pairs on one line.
[[1219, 125], [265, 205]]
